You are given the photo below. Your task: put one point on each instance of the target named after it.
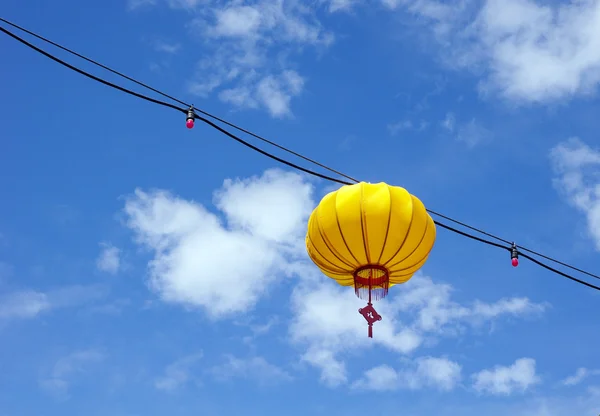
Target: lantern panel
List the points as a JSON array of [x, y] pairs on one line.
[[326, 225], [376, 216], [350, 221], [401, 214]]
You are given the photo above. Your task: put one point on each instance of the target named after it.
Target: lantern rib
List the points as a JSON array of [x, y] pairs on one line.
[[363, 225], [414, 249], [410, 267], [314, 247], [387, 229], [424, 257]]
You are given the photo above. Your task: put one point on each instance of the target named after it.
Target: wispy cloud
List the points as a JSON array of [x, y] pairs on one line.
[[191, 245], [577, 167], [425, 372], [402, 125], [471, 133], [66, 369], [506, 380], [449, 122], [252, 48], [27, 304], [170, 48], [580, 375], [525, 51], [23, 305], [136, 4], [423, 310], [178, 373], [254, 368], [109, 260]]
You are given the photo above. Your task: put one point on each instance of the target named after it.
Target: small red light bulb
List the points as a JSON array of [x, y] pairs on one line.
[[515, 262], [189, 123]]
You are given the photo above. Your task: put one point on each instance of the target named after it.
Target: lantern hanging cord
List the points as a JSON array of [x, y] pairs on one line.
[[278, 159]]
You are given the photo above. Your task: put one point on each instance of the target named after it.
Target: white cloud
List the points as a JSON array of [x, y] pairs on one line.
[[27, 304], [178, 373], [394, 128], [174, 4], [580, 375], [23, 305], [223, 268], [471, 133], [538, 52], [186, 4], [321, 321], [399, 126], [194, 252], [252, 45], [578, 168], [136, 4], [501, 380], [449, 122], [66, 368], [434, 311], [529, 51], [525, 50], [255, 369], [380, 378], [416, 310], [109, 259], [170, 48], [439, 373], [340, 5]]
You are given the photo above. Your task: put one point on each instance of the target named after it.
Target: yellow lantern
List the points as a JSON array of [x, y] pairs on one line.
[[370, 236]]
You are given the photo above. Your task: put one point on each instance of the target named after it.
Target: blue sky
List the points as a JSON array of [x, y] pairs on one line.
[[146, 269]]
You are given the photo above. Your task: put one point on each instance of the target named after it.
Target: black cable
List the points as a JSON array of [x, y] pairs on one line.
[[469, 227], [163, 103], [251, 146], [280, 147], [471, 236], [177, 100], [552, 269], [95, 78], [304, 169], [521, 254], [224, 121], [595, 276], [521, 248], [72, 52]]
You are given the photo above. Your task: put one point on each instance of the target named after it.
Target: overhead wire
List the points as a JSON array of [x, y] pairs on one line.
[[206, 113], [221, 120], [283, 161], [169, 105]]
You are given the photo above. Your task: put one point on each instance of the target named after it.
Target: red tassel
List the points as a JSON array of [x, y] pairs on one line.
[[370, 331]]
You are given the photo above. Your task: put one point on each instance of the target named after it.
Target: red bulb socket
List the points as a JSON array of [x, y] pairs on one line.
[[189, 123], [515, 262]]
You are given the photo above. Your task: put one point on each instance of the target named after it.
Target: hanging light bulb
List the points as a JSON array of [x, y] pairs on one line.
[[191, 116], [514, 255]]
